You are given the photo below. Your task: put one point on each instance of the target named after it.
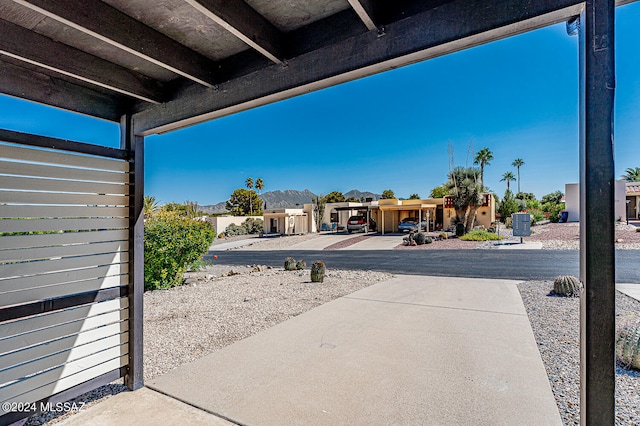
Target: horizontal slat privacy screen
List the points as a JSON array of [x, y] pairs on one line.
[[64, 232]]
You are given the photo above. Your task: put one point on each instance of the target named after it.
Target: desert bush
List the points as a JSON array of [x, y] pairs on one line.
[[428, 240], [318, 270], [536, 216], [444, 235], [567, 285], [233, 230], [301, 264], [628, 344], [289, 264], [419, 238], [459, 229], [172, 243], [637, 229], [253, 225], [480, 235]]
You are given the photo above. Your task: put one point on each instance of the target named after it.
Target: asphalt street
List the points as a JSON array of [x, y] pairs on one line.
[[506, 264]]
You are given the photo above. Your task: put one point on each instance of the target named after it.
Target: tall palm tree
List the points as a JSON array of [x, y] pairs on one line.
[[483, 158], [249, 184], [517, 163], [632, 174], [508, 177], [259, 187]]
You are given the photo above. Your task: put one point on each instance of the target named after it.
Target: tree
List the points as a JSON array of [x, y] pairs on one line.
[[414, 197], [526, 196], [632, 174], [319, 204], [150, 206], [483, 158], [465, 189], [508, 205], [439, 191], [553, 198], [518, 162], [334, 197], [249, 184], [352, 200], [508, 177], [241, 201], [259, 185], [387, 194]]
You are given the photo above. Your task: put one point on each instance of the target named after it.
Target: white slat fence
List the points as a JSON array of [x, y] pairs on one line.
[[64, 270]]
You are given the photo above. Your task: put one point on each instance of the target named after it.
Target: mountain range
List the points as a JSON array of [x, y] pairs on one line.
[[289, 198]]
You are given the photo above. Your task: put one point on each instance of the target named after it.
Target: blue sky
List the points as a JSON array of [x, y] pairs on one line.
[[518, 97]]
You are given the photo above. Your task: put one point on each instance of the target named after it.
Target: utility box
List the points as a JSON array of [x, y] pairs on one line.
[[521, 224]]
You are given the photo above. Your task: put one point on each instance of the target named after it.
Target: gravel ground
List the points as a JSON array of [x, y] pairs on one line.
[[556, 326], [278, 243]]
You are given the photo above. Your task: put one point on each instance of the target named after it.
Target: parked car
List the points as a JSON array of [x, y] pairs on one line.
[[359, 223], [411, 224]]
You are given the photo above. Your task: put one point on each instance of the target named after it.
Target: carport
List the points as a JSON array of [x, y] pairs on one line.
[[160, 66], [394, 211]]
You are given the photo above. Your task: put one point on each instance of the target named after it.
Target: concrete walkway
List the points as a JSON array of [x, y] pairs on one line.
[[631, 290], [378, 242], [411, 350]]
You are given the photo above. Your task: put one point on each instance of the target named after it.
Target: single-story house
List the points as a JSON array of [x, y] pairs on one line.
[[286, 221], [485, 216], [220, 223], [572, 204]]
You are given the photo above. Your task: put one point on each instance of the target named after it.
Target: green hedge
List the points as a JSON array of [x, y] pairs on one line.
[[171, 244], [480, 235]]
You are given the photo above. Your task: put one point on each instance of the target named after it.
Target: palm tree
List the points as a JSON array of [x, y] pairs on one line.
[[150, 206], [249, 184], [508, 177], [517, 163], [483, 158], [632, 174], [259, 185]]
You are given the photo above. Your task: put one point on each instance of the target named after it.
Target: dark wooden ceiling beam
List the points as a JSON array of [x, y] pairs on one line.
[[245, 23], [364, 10], [28, 46], [25, 83], [451, 27], [111, 26]]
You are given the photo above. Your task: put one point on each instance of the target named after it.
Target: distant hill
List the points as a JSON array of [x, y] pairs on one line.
[[289, 198]]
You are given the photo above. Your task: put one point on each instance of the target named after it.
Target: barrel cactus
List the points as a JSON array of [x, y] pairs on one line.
[[317, 271], [301, 264], [289, 264], [628, 345], [428, 240], [567, 285], [420, 238]]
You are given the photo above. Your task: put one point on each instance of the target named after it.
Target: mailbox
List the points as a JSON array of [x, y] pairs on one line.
[[521, 224]]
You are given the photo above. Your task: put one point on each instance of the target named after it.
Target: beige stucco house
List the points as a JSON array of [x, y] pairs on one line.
[[633, 200], [286, 221]]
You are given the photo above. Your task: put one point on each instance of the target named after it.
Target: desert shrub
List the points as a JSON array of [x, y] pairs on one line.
[[459, 229], [567, 285], [508, 222], [536, 216], [480, 235], [289, 264], [301, 264], [233, 230], [419, 238], [428, 240], [318, 270], [172, 243], [444, 235], [628, 345], [553, 210], [508, 205], [637, 229], [253, 225]]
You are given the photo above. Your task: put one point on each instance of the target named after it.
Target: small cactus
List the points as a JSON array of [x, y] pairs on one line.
[[317, 271], [301, 264], [567, 285], [428, 240], [289, 264], [628, 345]]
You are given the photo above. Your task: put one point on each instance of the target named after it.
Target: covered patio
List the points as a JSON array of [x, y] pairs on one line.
[[161, 66]]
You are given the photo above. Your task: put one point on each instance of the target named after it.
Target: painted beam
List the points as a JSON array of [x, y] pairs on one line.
[[33, 48], [364, 10], [597, 248], [111, 26], [449, 28], [134, 145], [25, 83], [242, 21]]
